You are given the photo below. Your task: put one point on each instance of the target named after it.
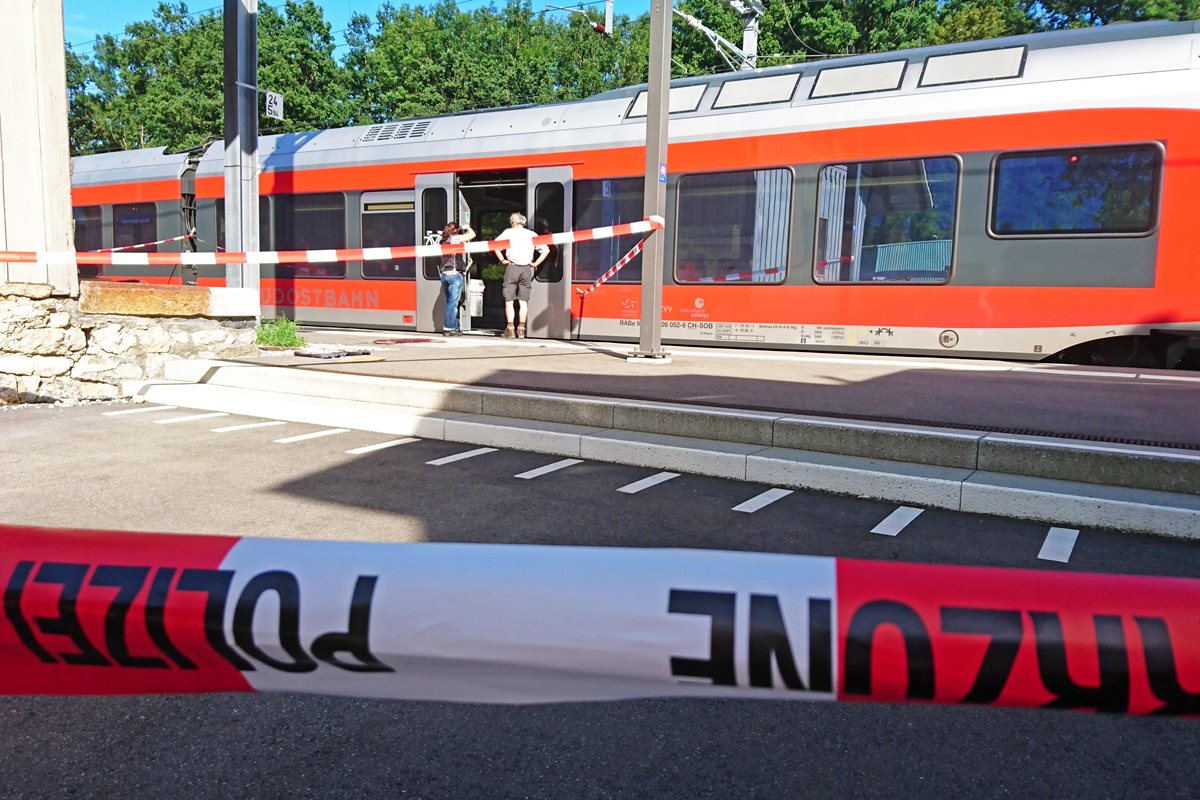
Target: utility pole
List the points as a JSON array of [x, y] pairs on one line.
[[744, 57], [241, 138], [654, 193]]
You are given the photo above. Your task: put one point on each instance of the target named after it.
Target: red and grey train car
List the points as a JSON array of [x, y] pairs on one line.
[[1022, 197]]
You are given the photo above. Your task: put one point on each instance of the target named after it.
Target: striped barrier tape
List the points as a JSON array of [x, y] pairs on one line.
[[625, 259], [322, 256], [144, 244], [127, 613]]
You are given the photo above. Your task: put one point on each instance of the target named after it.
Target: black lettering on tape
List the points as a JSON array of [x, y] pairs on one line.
[[1162, 669], [12, 610], [769, 638], [128, 581], [156, 604], [1112, 693], [720, 606], [215, 583], [70, 578], [918, 651], [354, 641], [285, 585], [1006, 630]]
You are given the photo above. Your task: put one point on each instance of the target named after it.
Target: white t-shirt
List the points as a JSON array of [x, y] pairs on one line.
[[521, 251]]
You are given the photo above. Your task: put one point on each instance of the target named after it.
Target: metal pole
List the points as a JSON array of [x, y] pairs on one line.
[[658, 100], [241, 138]]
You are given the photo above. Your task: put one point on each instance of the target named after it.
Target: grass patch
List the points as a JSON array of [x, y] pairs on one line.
[[279, 332]]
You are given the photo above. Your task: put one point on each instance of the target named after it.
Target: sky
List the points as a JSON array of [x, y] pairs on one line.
[[84, 20]]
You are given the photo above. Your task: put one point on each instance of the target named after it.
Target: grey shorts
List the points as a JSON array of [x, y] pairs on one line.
[[518, 280]]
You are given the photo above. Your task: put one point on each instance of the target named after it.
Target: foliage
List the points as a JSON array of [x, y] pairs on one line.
[[160, 84], [279, 332]]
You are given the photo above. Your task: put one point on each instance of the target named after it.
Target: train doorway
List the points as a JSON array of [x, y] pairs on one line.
[[486, 199]]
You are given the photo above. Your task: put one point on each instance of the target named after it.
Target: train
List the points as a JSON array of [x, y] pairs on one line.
[[1026, 198]]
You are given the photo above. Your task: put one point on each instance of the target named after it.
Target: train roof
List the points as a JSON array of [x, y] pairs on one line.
[[940, 67]]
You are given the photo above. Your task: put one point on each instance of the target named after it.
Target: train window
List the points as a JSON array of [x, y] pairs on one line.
[[548, 216], [733, 227], [390, 223], [311, 222], [1079, 192], [886, 221], [264, 225], [599, 204], [135, 223], [433, 222], [88, 233]]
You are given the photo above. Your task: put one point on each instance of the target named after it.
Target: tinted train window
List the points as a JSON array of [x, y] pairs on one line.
[[88, 233], [433, 222], [1100, 190], [311, 222], [599, 204], [264, 226], [733, 227], [135, 224], [389, 224], [886, 221], [548, 215]]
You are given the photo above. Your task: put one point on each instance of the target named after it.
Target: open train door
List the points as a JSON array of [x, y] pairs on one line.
[[433, 211], [549, 200]]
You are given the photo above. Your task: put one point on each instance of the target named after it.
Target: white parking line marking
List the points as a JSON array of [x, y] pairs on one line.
[[897, 521], [247, 426], [437, 462], [302, 437], [191, 418], [1059, 544], [546, 470], [646, 483], [142, 410], [763, 500], [371, 448]]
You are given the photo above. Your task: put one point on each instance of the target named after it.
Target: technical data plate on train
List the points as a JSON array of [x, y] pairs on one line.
[[798, 334]]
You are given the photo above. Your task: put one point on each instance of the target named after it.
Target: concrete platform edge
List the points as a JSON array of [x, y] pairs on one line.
[[1053, 501]]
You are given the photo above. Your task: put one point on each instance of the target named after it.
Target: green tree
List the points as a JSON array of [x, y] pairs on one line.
[[974, 20]]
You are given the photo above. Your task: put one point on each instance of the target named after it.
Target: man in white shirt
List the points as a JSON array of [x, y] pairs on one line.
[[520, 269]]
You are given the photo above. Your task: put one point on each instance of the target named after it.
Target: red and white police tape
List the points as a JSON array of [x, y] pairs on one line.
[[143, 244], [92, 612], [625, 259], [647, 225]]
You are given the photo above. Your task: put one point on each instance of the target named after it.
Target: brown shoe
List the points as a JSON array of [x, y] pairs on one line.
[[520, 331], [508, 333]]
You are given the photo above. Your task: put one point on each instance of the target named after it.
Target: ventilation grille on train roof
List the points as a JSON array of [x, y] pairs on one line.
[[391, 131]]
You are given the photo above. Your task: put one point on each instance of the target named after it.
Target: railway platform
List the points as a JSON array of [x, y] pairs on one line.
[[1097, 446]]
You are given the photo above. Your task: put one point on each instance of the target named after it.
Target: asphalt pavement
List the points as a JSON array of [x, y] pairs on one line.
[[165, 470]]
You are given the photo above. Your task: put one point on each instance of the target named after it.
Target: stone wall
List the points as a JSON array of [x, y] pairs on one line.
[[59, 348]]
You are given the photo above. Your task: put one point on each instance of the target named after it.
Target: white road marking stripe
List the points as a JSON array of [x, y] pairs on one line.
[[646, 483], [302, 437], [763, 500], [247, 426], [897, 521], [371, 448], [1168, 378], [191, 418], [437, 462], [142, 410], [546, 470], [1059, 544]]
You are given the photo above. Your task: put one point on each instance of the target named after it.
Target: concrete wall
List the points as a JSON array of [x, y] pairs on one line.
[[35, 166]]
